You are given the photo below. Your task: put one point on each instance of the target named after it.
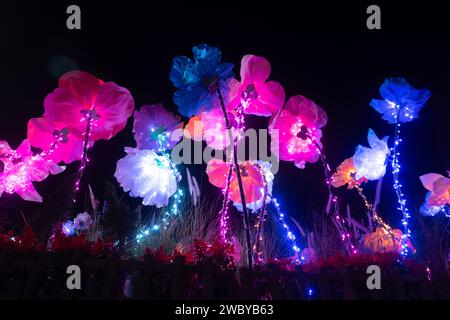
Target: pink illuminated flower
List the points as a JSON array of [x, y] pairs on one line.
[[298, 125], [81, 96], [255, 176], [21, 168], [154, 127], [257, 95], [210, 126], [56, 141], [439, 187]]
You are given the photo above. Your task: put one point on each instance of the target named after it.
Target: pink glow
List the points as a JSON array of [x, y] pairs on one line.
[[78, 93], [21, 168], [299, 114], [257, 95]]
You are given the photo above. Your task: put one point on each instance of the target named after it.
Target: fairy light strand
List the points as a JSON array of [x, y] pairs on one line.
[[299, 258], [397, 185], [89, 116], [339, 221], [375, 216]]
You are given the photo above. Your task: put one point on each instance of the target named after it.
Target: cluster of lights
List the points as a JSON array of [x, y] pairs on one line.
[[174, 209], [397, 185], [90, 117], [289, 235]]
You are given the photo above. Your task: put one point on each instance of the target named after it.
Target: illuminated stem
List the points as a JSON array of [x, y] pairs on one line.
[[339, 222], [289, 234], [375, 216], [84, 156], [397, 186], [259, 237], [52, 148], [224, 211], [239, 179]]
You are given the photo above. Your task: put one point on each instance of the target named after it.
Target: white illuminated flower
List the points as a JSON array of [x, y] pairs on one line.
[[370, 163], [147, 175]]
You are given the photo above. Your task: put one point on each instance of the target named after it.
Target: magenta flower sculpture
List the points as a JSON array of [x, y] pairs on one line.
[[298, 125], [81, 98], [257, 95], [21, 168]]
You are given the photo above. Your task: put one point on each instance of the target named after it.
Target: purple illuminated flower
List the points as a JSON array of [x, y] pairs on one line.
[[154, 127]]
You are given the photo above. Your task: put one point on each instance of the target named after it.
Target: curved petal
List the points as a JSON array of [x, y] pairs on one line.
[[82, 85], [429, 179], [254, 69], [114, 105], [62, 107]]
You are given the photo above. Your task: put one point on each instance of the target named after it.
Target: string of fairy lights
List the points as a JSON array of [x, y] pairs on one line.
[[398, 186], [174, 209], [90, 117], [345, 237]]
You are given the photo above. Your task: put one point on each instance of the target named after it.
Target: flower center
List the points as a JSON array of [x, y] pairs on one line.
[[244, 171], [250, 92], [303, 133]]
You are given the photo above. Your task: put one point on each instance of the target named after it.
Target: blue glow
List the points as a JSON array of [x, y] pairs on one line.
[[289, 235]]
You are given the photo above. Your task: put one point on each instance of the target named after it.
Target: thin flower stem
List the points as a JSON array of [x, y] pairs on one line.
[[80, 173], [224, 211], [239, 179], [339, 222], [375, 216]]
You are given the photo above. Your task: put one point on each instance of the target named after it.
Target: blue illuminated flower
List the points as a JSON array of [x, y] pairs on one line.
[[400, 99], [197, 79], [370, 163]]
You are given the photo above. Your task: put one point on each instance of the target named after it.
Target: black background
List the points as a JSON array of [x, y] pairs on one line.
[[322, 50]]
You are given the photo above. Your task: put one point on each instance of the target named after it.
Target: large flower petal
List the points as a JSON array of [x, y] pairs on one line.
[[254, 69]]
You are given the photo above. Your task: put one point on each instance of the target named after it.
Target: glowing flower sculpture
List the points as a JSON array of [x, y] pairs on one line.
[[90, 108], [81, 100], [83, 221], [299, 124], [401, 103], [345, 175], [147, 175], [400, 100], [439, 186], [21, 168], [257, 180], [57, 141], [211, 127], [154, 127], [370, 162], [198, 79], [257, 95], [381, 241]]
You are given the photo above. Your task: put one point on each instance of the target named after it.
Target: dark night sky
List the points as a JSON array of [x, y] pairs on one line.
[[321, 51]]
